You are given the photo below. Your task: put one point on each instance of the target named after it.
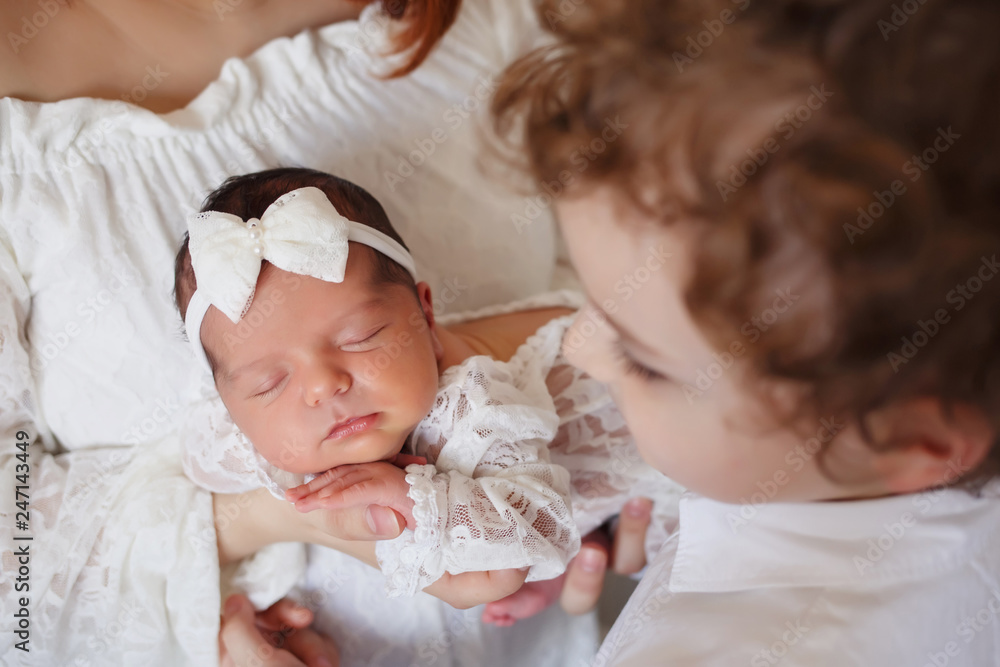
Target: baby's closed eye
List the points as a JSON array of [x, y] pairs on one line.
[[269, 387], [366, 342]]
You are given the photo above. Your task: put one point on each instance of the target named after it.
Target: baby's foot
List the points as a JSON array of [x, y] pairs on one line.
[[532, 598]]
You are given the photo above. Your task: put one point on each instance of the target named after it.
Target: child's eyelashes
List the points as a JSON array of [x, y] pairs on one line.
[[633, 367]]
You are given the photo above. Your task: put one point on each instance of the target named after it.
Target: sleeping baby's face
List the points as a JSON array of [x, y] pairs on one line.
[[321, 374]]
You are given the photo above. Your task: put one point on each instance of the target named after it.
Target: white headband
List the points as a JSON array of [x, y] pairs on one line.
[[300, 233]]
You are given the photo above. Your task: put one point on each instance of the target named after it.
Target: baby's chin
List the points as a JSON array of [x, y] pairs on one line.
[[385, 454]]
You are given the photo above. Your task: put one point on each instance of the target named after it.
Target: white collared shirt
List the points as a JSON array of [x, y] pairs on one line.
[[910, 580]]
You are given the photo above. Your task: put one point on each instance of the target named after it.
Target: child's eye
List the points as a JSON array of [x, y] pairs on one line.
[[633, 367], [363, 344]]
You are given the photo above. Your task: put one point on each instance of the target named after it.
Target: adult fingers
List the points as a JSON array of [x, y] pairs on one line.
[[585, 575], [374, 522], [312, 648], [629, 551], [242, 641], [284, 614]]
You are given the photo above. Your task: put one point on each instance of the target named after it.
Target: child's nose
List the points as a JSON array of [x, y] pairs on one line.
[[326, 380], [587, 344]]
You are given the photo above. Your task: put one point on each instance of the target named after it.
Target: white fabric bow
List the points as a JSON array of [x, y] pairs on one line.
[[301, 232]]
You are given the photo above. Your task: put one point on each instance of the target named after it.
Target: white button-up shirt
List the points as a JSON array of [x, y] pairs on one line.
[[910, 580]]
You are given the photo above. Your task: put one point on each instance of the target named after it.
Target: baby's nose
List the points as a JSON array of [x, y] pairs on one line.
[[326, 380]]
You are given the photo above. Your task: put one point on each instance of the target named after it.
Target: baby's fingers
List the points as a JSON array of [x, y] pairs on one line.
[[327, 478], [360, 492]]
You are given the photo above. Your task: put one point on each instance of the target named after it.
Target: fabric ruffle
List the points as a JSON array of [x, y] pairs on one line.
[[492, 500]]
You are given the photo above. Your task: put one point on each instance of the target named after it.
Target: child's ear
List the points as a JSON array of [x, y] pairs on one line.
[[926, 446], [427, 306]]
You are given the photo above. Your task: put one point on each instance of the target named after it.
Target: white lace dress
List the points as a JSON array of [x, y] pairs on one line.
[[502, 438], [522, 456], [93, 197]]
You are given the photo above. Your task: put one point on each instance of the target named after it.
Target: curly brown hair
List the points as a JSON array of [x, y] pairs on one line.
[[848, 148]]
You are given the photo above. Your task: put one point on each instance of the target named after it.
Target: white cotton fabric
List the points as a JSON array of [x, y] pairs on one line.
[[93, 363], [904, 580]]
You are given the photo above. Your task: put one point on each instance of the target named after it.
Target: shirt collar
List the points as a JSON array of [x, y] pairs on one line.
[[726, 547]]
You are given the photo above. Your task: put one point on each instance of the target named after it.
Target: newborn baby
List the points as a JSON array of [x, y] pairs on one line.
[[325, 350]]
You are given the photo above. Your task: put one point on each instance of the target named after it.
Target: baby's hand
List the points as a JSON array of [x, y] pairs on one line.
[[378, 483]]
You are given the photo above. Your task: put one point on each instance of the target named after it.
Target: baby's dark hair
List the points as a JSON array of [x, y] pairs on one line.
[[248, 196]]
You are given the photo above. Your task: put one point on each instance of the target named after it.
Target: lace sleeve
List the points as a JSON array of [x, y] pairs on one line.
[[122, 558], [594, 444], [493, 500]]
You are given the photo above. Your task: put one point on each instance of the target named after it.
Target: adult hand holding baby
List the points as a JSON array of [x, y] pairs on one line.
[[247, 522], [279, 636], [381, 489]]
